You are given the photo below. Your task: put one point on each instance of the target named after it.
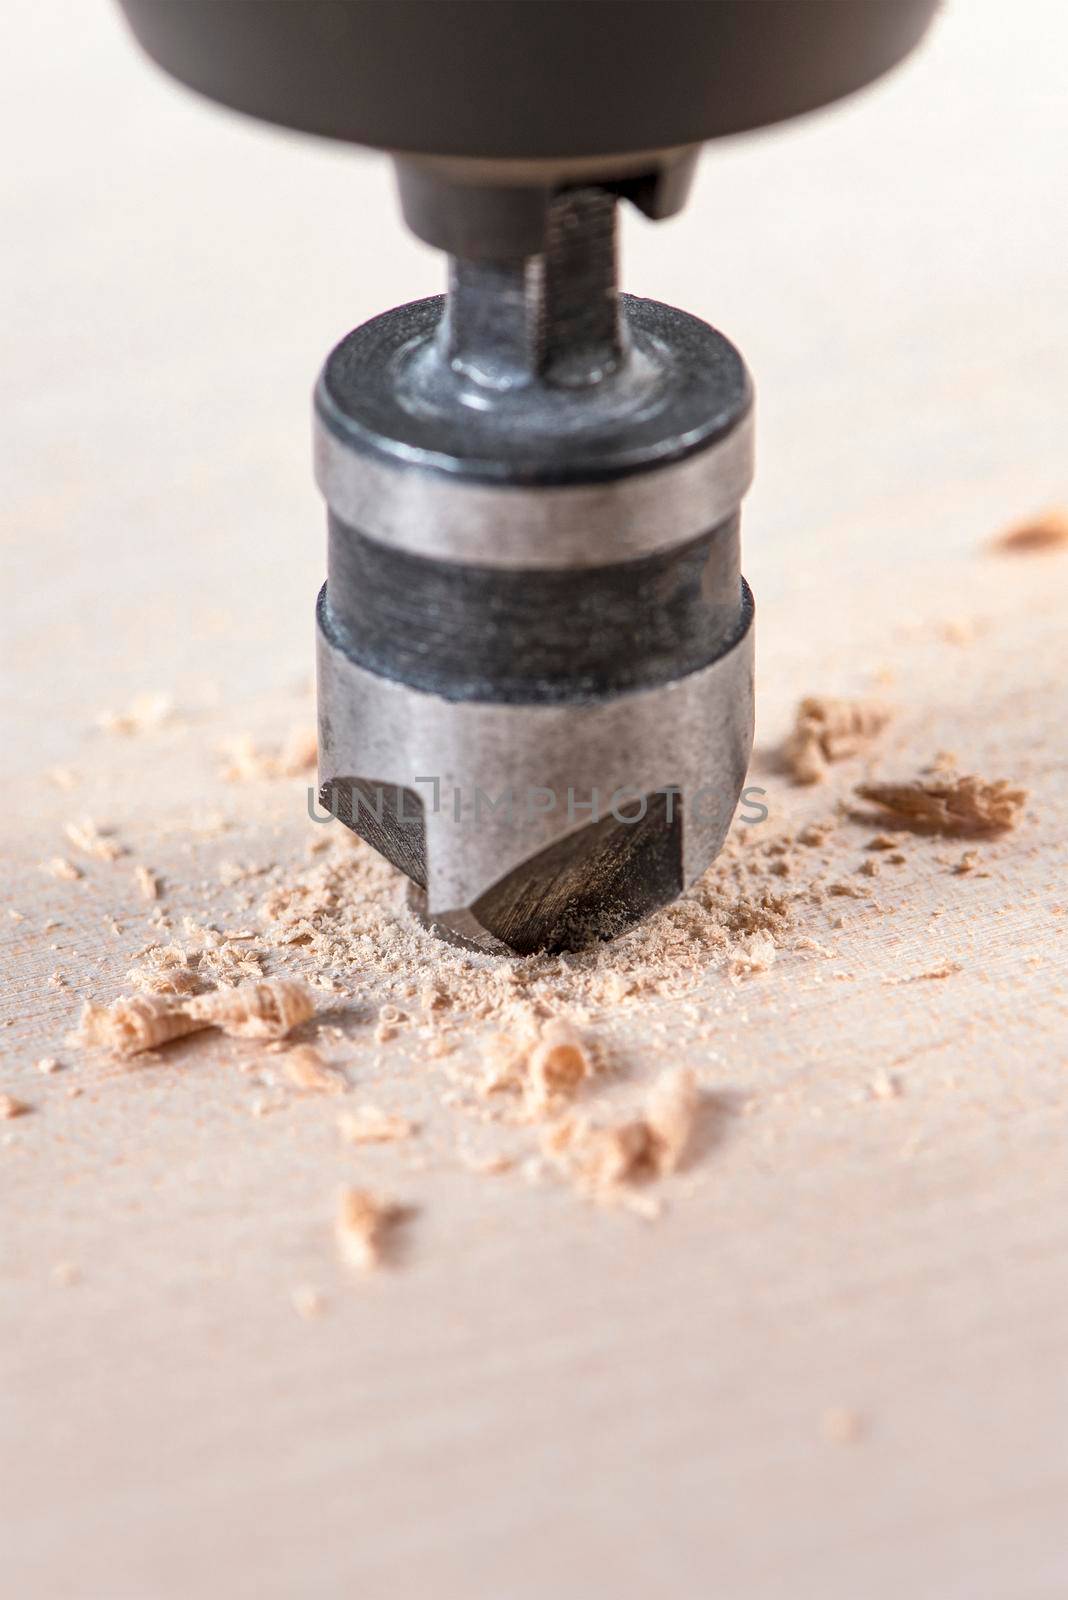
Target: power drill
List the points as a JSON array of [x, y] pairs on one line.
[[535, 645]]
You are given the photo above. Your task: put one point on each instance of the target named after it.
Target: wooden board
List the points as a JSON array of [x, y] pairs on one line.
[[541, 1396]]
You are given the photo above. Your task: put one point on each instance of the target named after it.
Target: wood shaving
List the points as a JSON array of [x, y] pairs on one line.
[[1047, 531], [87, 837], [266, 1010], [828, 730], [371, 1125], [361, 1224], [140, 1022], [63, 869], [670, 1114], [951, 804], [11, 1107], [557, 1065], [931, 975], [306, 1069], [145, 711]]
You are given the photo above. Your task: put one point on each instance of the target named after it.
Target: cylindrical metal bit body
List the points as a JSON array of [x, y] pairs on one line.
[[535, 644]]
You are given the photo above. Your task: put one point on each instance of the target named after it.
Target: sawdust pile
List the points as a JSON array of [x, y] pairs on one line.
[[827, 730], [344, 922], [953, 805], [1047, 531], [209, 957], [267, 1010]]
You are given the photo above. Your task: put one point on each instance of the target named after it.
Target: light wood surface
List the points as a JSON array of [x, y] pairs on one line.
[[542, 1398]]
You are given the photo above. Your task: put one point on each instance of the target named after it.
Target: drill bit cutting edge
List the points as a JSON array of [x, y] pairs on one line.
[[535, 645]]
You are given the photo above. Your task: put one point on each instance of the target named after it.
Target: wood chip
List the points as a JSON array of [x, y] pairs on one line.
[[371, 1125], [61, 868], [670, 1114], [147, 883], [306, 1069], [266, 1010], [11, 1106], [556, 1065], [827, 730], [602, 1159], [87, 837], [141, 1022], [1047, 531], [145, 711], [361, 1224], [951, 804]]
